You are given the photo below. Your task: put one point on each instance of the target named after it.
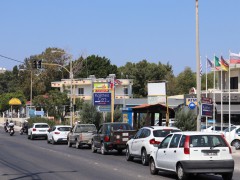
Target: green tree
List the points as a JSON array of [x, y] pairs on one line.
[[186, 120], [53, 103], [90, 115], [101, 67], [185, 81]]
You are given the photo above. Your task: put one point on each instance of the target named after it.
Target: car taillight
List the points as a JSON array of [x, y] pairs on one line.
[[186, 145], [153, 141], [106, 138], [230, 149], [34, 129], [56, 132]]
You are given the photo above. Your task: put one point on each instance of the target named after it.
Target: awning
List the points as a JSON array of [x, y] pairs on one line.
[[234, 108], [14, 101]]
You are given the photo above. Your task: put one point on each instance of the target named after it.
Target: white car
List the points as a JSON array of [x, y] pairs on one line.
[[232, 136], [38, 130], [145, 141], [58, 134], [193, 153]]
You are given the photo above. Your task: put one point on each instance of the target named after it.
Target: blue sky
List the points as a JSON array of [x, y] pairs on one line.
[[122, 31]]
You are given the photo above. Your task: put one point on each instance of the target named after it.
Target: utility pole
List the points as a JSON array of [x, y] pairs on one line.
[[198, 71]]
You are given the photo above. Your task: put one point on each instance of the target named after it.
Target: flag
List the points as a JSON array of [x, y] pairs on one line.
[[201, 71], [224, 64], [210, 64], [234, 58], [217, 63]]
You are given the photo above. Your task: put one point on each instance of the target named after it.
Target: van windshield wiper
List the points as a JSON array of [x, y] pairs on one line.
[[217, 145]]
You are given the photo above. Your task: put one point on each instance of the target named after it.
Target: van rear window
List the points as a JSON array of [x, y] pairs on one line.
[[207, 141]]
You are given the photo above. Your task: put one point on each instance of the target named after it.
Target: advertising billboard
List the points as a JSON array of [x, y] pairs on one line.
[[101, 99]]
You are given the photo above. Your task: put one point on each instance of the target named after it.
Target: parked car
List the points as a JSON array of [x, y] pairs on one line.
[[193, 153], [145, 140], [81, 135], [212, 128], [232, 136], [112, 136], [58, 134], [38, 130]]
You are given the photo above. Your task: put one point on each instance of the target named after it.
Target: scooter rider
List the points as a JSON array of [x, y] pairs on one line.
[[6, 125]]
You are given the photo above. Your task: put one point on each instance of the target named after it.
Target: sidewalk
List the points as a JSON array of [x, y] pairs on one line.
[[16, 128]]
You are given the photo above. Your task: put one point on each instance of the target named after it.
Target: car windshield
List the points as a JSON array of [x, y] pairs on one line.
[[207, 141], [164, 132], [121, 127], [64, 128], [41, 126], [85, 128]]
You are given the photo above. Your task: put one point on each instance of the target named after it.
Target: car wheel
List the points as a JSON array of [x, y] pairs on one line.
[[77, 145], [227, 176], [128, 155], [94, 150], [144, 157], [69, 143], [103, 150], [32, 138], [53, 142], [180, 173], [119, 151], [153, 169], [236, 144]]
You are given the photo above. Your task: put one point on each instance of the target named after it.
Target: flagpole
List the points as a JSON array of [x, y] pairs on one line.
[[214, 77], [229, 96], [221, 100], [206, 89]]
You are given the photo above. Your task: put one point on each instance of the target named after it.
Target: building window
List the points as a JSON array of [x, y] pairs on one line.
[[125, 91], [234, 83], [81, 91]]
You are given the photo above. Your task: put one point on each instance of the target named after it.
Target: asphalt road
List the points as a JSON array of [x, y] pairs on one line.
[[21, 158]]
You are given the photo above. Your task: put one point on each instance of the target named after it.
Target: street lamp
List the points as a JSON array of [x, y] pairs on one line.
[[71, 79]]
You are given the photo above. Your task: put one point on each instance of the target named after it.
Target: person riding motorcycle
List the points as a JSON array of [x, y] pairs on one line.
[[6, 125], [11, 127], [24, 127]]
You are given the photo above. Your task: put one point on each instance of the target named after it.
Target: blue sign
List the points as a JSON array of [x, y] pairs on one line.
[[102, 99], [104, 108], [207, 110], [192, 105]]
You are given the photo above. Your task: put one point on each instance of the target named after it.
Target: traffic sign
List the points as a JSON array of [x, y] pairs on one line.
[[192, 105]]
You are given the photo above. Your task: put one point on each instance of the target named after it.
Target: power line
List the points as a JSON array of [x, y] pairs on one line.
[[11, 58]]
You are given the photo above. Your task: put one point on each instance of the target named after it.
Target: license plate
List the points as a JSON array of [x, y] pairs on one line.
[[124, 134], [210, 154], [124, 139], [42, 130]]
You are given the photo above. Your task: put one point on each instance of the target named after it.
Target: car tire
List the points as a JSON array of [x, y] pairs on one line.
[[94, 150], [119, 151], [77, 145], [103, 150], [181, 175], [144, 157], [236, 144], [128, 155], [227, 176], [53, 142], [153, 169], [69, 143], [32, 137]]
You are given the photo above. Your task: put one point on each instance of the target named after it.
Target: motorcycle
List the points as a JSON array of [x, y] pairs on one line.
[[11, 129], [23, 130]]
